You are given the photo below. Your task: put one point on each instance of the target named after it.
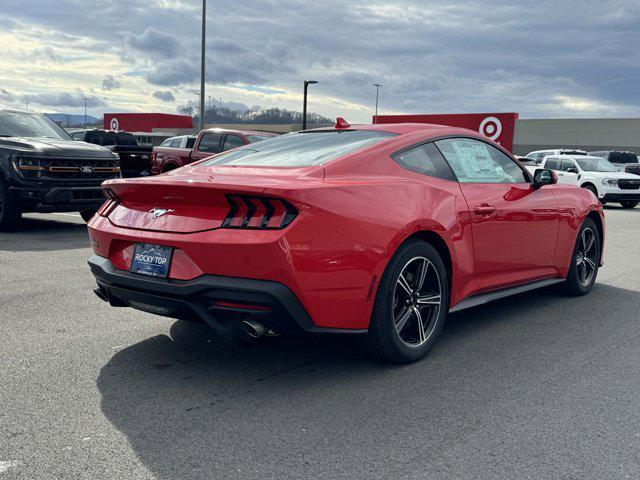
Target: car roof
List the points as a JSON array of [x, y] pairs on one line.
[[16, 110], [408, 128], [575, 157], [244, 132]]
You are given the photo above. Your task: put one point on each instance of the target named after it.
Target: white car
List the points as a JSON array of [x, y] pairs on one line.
[[538, 155], [595, 174]]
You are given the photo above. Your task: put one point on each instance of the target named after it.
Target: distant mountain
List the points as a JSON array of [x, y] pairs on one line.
[[69, 120]]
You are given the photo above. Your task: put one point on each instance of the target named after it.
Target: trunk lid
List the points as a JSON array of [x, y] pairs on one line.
[[194, 199]]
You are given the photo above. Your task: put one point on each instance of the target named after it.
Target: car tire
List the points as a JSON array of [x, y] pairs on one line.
[[10, 214], [592, 189], [394, 334], [629, 204], [87, 214], [585, 260]]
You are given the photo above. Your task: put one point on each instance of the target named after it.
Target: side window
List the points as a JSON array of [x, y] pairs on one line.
[[166, 143], [232, 141], [566, 165], [175, 143], [474, 161], [210, 143], [427, 160], [190, 142], [552, 163]]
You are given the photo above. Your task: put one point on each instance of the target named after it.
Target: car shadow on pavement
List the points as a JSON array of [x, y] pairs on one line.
[[38, 234], [195, 404]]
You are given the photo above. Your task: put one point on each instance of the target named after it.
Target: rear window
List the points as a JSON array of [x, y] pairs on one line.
[[623, 157], [302, 148], [110, 138]]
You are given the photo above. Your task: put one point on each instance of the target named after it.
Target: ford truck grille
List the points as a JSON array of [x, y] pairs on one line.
[[48, 168], [629, 184]]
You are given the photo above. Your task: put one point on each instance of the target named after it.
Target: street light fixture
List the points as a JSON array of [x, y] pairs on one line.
[[304, 103], [202, 52], [377, 85]]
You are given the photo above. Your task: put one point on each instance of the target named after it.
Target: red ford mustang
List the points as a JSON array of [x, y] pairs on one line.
[[376, 230]]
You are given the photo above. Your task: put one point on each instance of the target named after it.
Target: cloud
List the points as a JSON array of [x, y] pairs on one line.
[[544, 58], [164, 95], [109, 82], [154, 43], [64, 99]]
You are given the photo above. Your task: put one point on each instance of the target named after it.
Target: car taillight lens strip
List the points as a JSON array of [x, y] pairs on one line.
[[112, 202], [253, 212]]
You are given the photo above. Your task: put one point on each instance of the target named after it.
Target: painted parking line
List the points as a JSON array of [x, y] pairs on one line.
[[68, 214]]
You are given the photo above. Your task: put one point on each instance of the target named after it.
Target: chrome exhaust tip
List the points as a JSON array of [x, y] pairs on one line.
[[253, 328]]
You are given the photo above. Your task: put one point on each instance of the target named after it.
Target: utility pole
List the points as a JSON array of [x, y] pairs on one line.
[[377, 85], [202, 66], [304, 103]]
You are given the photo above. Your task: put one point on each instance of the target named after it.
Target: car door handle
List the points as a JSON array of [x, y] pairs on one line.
[[485, 210]]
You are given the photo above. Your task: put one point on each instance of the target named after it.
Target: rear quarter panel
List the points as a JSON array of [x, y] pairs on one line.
[[378, 212], [165, 156], [575, 204]]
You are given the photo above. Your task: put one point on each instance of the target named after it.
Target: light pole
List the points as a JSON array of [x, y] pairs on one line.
[[377, 85], [85, 111], [26, 105], [204, 22], [304, 103]]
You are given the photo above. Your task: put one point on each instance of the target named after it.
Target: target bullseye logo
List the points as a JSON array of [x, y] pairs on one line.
[[491, 127], [114, 124]]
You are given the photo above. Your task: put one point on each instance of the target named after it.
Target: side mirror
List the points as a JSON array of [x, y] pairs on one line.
[[572, 170], [543, 176]]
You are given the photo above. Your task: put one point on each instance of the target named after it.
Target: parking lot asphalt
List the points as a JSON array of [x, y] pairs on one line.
[[537, 386]]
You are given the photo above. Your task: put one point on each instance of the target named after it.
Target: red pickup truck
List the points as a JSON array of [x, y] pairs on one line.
[[176, 152]]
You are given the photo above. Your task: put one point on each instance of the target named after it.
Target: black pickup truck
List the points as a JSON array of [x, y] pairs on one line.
[[42, 169], [135, 160]]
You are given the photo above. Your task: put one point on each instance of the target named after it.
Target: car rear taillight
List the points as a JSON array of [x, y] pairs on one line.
[[112, 202], [258, 213]]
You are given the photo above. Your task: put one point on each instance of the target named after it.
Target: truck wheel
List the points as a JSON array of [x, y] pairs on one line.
[[87, 214], [628, 204], [10, 214]]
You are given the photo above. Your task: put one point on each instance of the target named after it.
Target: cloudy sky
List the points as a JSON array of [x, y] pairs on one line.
[[542, 59]]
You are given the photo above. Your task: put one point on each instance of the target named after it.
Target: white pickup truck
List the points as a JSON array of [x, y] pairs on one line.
[[595, 174]]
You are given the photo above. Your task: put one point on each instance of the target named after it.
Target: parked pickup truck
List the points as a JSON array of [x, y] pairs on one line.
[[43, 170], [171, 154], [135, 160]]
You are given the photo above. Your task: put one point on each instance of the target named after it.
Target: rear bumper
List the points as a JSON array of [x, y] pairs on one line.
[[219, 301], [617, 197]]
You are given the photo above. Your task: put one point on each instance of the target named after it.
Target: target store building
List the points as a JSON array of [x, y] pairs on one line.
[[146, 122], [522, 136]]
